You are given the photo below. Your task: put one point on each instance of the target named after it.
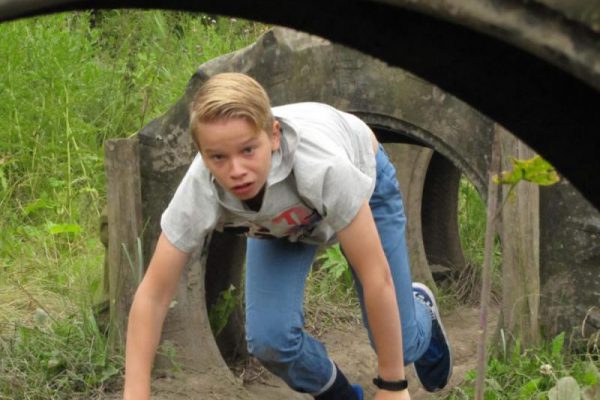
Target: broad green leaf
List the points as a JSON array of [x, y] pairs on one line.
[[557, 344], [529, 389], [38, 204], [221, 311], [592, 378], [535, 170], [55, 229], [594, 370], [56, 183], [108, 373], [3, 180]]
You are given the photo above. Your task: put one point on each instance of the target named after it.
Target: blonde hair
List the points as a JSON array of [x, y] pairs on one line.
[[231, 95]]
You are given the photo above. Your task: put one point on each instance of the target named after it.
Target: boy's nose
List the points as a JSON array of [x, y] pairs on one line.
[[236, 169]]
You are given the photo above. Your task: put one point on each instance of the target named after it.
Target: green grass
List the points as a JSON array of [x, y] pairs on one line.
[[526, 374], [330, 294], [471, 220], [56, 359], [68, 82]]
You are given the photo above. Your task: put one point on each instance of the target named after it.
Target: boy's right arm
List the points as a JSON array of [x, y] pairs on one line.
[[148, 311]]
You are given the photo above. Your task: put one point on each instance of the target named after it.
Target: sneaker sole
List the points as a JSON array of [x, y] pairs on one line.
[[436, 311]]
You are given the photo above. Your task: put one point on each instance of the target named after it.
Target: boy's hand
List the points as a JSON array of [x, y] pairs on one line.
[[389, 395]]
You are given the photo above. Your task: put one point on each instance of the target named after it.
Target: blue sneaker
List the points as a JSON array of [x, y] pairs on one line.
[[434, 368], [359, 391]]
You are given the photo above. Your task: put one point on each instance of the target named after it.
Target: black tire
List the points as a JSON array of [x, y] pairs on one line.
[[505, 69], [439, 217]]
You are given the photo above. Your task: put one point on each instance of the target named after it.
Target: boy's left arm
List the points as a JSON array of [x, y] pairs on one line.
[[362, 246]]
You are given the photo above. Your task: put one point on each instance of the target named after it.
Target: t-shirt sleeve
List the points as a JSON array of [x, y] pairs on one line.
[[193, 211], [340, 192]]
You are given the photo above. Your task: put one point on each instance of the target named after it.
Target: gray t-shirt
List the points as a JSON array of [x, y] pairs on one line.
[[321, 175]]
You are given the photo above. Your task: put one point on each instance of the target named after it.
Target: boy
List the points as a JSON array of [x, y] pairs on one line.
[[292, 178]]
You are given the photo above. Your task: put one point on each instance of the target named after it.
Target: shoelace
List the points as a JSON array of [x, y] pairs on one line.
[[423, 299]]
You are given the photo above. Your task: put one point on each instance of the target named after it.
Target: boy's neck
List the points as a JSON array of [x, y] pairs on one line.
[[256, 202]]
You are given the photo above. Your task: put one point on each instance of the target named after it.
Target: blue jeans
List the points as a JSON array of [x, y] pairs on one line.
[[276, 271]]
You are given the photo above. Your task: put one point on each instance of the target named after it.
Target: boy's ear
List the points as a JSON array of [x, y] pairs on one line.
[[275, 136]]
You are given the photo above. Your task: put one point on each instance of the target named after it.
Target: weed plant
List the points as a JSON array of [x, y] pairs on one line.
[[68, 82], [331, 297], [472, 214], [532, 373], [55, 359]]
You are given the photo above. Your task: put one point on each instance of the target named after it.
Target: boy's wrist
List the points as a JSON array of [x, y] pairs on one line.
[[136, 388], [382, 394], [391, 371], [136, 394]]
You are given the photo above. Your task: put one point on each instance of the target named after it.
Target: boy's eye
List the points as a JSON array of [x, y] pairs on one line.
[[248, 150], [216, 157]]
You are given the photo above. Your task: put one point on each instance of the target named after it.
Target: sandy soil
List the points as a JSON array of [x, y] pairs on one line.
[[348, 346]]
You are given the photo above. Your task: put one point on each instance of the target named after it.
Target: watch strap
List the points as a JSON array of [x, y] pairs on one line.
[[393, 386]]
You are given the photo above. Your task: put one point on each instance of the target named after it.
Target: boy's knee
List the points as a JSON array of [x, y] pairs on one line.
[[411, 351], [274, 344]]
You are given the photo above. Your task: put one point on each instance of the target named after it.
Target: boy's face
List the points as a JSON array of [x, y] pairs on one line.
[[237, 155]]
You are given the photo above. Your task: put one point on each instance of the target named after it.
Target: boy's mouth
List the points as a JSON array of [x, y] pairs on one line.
[[242, 189]]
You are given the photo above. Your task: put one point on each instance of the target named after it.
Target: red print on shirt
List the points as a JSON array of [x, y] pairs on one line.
[[294, 216], [299, 220]]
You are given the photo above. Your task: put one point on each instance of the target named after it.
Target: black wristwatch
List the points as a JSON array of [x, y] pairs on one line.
[[392, 386]]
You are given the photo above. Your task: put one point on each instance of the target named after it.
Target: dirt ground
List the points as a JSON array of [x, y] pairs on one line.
[[347, 345]]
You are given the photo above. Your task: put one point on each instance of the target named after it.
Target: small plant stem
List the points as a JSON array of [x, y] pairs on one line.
[[511, 189], [69, 135], [492, 203]]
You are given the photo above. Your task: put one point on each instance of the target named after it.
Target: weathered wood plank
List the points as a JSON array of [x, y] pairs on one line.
[[125, 264], [520, 250]]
